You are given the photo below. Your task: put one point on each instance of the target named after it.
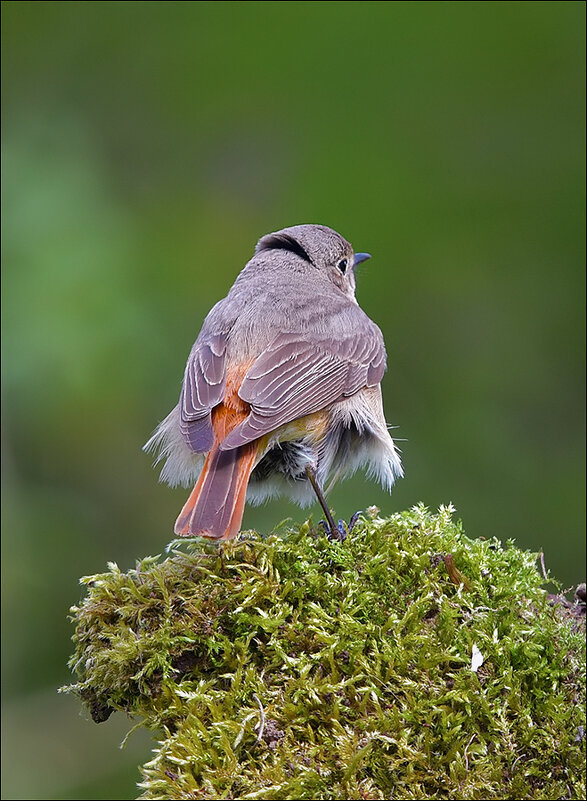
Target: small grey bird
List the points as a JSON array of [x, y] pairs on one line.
[[281, 392]]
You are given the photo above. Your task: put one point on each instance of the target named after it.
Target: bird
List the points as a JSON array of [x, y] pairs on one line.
[[281, 393]]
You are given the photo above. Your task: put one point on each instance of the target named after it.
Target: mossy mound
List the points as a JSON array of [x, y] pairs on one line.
[[292, 667]]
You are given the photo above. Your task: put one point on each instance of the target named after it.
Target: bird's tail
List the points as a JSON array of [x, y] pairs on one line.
[[216, 504]]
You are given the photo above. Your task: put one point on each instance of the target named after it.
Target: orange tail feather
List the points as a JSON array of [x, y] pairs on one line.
[[216, 504]]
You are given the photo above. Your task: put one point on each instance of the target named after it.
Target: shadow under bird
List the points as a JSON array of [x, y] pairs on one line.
[[282, 388]]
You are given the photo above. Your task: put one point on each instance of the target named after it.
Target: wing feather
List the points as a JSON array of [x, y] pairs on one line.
[[203, 388], [295, 377]]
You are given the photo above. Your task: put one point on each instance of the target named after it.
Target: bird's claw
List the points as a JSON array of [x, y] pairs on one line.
[[354, 519], [342, 530], [338, 534]]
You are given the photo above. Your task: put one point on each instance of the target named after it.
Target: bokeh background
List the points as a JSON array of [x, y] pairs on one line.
[[146, 147]]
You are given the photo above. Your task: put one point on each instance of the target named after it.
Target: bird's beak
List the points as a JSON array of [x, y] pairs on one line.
[[359, 257]]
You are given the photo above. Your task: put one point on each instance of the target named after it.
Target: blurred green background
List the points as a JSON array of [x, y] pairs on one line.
[[146, 147]]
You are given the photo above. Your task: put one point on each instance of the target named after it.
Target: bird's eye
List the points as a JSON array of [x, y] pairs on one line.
[[342, 265]]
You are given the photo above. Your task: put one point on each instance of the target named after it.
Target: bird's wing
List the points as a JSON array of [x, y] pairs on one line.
[[297, 376], [203, 388]]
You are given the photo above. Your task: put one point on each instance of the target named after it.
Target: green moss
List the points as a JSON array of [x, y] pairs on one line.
[[295, 667]]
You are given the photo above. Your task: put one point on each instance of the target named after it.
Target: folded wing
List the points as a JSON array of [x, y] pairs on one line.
[[203, 388], [296, 376]]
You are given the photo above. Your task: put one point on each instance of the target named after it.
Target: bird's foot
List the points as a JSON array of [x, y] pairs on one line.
[[342, 530]]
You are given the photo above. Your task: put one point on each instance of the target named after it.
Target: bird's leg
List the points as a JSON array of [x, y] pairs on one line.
[[336, 532]]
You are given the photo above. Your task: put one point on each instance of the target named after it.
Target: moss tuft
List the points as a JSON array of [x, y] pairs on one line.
[[408, 662]]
